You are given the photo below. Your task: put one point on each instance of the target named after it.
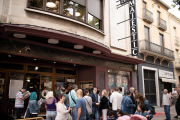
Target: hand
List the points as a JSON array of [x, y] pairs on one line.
[[97, 103], [162, 106], [170, 105], [69, 108], [40, 104], [147, 116]]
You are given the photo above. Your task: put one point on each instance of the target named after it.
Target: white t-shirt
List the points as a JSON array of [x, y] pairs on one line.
[[174, 92], [166, 99]]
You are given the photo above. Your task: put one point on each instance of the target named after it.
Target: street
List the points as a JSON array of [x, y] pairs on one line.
[[161, 116]]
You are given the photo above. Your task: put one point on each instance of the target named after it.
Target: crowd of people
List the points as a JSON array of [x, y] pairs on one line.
[[90, 103]]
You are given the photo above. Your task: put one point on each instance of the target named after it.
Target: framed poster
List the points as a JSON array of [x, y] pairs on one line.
[[118, 80], [111, 82], [125, 82]]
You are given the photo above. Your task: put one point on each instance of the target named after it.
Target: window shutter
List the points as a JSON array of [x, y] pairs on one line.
[[81, 2], [94, 8]]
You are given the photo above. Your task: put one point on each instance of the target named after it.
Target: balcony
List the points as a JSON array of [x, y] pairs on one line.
[[147, 16], [176, 40], [148, 48], [162, 24], [177, 63]]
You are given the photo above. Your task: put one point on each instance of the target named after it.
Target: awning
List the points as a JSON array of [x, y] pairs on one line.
[[169, 80]]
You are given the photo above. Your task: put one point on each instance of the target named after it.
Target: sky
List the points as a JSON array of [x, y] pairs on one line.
[[175, 10]]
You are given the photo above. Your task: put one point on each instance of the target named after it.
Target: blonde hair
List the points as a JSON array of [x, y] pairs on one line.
[[49, 94], [105, 93]]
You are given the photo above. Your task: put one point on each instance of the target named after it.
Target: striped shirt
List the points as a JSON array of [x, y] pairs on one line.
[[18, 103]]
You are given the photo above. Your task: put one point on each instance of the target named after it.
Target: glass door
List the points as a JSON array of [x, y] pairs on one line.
[[59, 83]]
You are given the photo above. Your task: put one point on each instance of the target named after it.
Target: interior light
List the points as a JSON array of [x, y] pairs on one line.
[[96, 52], [53, 41], [50, 4], [36, 68], [28, 80], [54, 62], [19, 35], [78, 14], [78, 46], [9, 55], [35, 59]]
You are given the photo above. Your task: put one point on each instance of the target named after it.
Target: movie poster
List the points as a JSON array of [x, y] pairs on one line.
[[58, 86], [125, 82], [118, 81], [111, 82]]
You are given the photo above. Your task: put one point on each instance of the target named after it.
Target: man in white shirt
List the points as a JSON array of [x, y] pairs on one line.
[[167, 103], [116, 99]]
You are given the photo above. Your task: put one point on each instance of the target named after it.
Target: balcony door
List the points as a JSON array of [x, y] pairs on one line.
[[147, 37], [177, 58], [161, 43]]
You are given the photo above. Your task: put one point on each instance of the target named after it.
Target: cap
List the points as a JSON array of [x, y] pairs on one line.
[[24, 88]]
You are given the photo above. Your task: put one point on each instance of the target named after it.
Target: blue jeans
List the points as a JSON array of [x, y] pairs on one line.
[[51, 115], [73, 112], [96, 114], [167, 112], [115, 115]]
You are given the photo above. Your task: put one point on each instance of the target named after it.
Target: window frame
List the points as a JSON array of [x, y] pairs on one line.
[[61, 7]]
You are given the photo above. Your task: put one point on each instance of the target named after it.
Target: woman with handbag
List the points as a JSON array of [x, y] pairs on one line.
[[50, 104], [88, 102], [62, 112], [104, 106]]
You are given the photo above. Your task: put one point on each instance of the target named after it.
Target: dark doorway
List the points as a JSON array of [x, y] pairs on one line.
[[150, 86]]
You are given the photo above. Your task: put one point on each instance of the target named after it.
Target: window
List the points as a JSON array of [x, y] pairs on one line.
[[159, 14], [52, 5], [161, 40], [36, 3], [75, 9], [119, 79], [147, 36], [144, 5], [174, 31]]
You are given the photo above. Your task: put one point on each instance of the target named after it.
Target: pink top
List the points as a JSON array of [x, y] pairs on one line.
[[125, 117], [138, 117]]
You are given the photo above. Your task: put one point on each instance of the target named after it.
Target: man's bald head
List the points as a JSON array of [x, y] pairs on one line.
[[79, 93]]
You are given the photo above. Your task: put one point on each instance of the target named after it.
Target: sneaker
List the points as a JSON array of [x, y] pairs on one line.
[[176, 117]]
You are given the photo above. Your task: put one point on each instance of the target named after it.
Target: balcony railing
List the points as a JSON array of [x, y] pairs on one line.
[[162, 24], [147, 15], [176, 40], [146, 45]]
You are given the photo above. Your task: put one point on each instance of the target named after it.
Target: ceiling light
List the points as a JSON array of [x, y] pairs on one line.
[[9, 55], [28, 80], [96, 52], [19, 35], [74, 64], [78, 46], [35, 59], [78, 14], [53, 41], [50, 4], [36, 68], [54, 62]]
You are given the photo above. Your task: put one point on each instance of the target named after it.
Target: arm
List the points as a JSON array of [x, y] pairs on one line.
[[111, 99], [129, 104], [79, 113], [170, 102], [62, 110], [93, 100], [148, 106]]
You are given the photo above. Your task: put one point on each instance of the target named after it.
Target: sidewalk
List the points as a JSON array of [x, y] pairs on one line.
[[161, 116]]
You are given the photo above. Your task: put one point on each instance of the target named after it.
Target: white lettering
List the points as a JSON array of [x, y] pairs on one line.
[[133, 29], [131, 2], [134, 53], [132, 10], [132, 22]]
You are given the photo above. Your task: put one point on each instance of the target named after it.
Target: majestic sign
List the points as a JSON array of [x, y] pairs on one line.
[[165, 74], [133, 27], [123, 1]]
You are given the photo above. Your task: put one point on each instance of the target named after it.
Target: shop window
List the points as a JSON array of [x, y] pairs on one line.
[[46, 85], [2, 86], [70, 72], [119, 79], [75, 9], [39, 69], [36, 3], [52, 5], [59, 83], [11, 66]]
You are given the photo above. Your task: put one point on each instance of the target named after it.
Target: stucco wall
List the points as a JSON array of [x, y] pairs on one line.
[[154, 31], [175, 22]]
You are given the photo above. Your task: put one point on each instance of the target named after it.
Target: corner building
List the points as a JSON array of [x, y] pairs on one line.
[[48, 44], [157, 72]]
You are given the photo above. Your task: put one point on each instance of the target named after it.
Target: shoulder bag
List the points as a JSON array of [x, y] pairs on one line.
[[92, 115], [72, 98]]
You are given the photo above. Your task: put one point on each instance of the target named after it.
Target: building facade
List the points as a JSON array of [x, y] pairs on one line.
[[157, 72], [49, 44], [174, 28]]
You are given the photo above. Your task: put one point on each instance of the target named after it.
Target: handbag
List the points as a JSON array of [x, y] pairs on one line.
[[92, 115], [69, 117], [153, 110]]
